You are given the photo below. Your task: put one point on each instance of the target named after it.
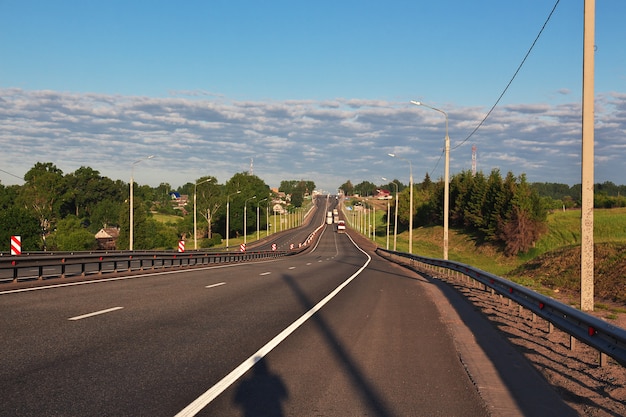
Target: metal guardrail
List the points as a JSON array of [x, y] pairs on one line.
[[62, 265], [594, 332]]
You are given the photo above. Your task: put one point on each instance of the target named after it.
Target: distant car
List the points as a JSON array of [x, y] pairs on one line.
[[341, 226]]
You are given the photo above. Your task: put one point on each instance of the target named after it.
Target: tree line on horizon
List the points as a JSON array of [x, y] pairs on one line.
[[506, 211], [57, 211]]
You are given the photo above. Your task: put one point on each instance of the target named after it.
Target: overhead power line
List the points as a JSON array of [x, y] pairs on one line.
[[13, 175], [512, 78]]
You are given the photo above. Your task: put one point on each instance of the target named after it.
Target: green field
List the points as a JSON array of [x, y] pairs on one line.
[[553, 264]]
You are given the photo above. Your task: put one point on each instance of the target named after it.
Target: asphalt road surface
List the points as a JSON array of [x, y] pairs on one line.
[[335, 331]]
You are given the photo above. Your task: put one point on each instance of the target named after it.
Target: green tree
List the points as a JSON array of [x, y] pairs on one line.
[[8, 196], [41, 192], [85, 189], [209, 200], [105, 213], [19, 221], [427, 184], [347, 188], [525, 222], [141, 229], [365, 188], [71, 235], [249, 186], [494, 206]]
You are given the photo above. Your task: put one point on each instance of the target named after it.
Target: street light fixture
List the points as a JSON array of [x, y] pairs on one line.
[[245, 217], [410, 202], [446, 191], [195, 212], [132, 207], [228, 216]]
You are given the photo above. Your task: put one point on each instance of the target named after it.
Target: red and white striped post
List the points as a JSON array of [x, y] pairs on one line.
[[16, 245], [181, 245]]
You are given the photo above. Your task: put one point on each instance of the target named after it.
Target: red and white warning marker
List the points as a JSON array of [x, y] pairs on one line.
[[16, 245], [181, 245]]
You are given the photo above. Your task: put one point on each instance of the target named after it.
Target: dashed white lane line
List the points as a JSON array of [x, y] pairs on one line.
[[308, 263], [264, 273], [215, 285], [292, 267], [95, 313]]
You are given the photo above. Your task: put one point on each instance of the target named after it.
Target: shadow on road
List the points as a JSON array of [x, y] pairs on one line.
[[369, 394], [262, 393], [530, 391]]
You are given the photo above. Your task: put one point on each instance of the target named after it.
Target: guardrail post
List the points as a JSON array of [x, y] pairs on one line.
[[603, 360]]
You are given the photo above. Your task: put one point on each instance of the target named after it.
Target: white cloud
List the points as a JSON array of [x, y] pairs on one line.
[[199, 133]]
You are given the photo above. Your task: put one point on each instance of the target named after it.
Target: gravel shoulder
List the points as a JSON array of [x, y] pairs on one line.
[[574, 375]]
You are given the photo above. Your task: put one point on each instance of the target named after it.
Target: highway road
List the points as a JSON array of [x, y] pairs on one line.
[[335, 331]]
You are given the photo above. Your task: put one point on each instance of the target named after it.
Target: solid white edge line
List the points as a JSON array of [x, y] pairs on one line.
[[95, 313], [202, 401], [215, 285]]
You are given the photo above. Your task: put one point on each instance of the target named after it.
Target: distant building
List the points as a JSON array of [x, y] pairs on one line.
[[107, 238], [383, 195], [179, 201], [278, 209]]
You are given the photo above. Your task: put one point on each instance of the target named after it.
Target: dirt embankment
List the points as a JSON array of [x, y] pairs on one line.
[[560, 271]]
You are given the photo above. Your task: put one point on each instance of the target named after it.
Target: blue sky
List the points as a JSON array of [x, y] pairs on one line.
[[314, 90]]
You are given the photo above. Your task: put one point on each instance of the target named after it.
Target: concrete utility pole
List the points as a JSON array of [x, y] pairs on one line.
[[586, 223]]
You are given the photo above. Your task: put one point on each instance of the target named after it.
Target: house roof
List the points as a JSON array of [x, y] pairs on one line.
[[108, 233]]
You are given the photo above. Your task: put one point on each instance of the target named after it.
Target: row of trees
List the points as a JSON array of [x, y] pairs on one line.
[[509, 211], [56, 211], [606, 194], [368, 188]]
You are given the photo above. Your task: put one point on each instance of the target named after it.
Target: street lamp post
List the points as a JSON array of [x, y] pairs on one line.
[[195, 212], [131, 233], [228, 216], [410, 202], [257, 219], [446, 191], [245, 219], [395, 222]]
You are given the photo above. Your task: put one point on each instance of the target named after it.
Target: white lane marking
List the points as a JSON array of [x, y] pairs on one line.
[[95, 313], [308, 263], [264, 273], [202, 401], [292, 267], [215, 285]]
